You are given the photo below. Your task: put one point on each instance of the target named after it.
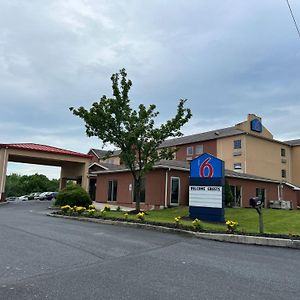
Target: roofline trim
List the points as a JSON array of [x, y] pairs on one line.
[[252, 178], [204, 140], [99, 165], [71, 153], [128, 170], [94, 152]]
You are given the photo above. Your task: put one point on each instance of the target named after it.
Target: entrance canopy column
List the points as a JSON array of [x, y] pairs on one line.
[[3, 169], [74, 171]]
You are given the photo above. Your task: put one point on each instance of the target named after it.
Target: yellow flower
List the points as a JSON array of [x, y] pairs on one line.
[[141, 216]]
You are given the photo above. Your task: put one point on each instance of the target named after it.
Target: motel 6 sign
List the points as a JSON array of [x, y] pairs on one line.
[[206, 190], [206, 166]]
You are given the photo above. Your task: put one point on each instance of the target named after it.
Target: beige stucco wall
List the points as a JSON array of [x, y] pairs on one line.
[[296, 165], [258, 156], [115, 160], [264, 158], [246, 126], [3, 168], [226, 152]]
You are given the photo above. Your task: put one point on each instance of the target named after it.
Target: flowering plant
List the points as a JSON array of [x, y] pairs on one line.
[[66, 208], [90, 211], [141, 216], [92, 206], [79, 209], [231, 226], [177, 220], [126, 216], [197, 224]]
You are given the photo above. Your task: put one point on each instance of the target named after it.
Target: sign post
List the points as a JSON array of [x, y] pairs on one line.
[[206, 190]]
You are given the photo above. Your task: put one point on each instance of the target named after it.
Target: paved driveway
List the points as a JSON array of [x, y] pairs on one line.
[[49, 258]]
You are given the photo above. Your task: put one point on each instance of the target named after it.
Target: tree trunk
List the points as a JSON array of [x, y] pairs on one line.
[[137, 191]]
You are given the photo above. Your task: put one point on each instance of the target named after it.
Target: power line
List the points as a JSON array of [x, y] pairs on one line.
[[296, 25]]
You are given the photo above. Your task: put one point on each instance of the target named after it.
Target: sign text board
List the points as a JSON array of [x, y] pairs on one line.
[[206, 196], [206, 191]]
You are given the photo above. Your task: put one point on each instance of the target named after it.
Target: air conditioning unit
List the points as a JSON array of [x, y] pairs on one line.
[[281, 204]]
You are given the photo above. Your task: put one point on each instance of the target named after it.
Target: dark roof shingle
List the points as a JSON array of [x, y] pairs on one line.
[[200, 137], [293, 142], [101, 153]]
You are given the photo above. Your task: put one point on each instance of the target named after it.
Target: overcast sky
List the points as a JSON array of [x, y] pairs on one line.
[[228, 58]]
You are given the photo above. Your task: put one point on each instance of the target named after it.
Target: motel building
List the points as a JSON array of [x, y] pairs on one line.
[[256, 164]]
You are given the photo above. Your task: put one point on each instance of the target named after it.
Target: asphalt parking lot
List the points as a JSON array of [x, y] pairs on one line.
[[49, 258]]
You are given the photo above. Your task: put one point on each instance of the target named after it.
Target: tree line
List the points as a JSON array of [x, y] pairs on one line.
[[18, 185]]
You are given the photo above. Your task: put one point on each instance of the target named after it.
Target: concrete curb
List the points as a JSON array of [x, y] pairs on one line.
[[229, 238], [3, 203]]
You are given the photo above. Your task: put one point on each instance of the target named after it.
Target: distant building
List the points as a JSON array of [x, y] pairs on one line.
[[256, 165]]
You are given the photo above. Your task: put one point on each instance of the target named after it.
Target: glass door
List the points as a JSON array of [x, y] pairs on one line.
[[175, 190]]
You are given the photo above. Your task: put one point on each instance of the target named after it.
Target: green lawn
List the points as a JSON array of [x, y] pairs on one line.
[[275, 221]]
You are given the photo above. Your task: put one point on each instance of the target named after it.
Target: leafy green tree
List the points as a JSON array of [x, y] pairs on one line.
[[17, 185], [228, 194], [114, 121]]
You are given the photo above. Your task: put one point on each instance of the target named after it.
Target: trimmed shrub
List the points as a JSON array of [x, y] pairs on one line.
[[73, 196]]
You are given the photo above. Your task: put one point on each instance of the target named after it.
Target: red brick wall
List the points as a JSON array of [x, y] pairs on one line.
[[154, 196], [184, 186], [124, 196], [155, 188], [289, 195], [208, 146], [249, 190]]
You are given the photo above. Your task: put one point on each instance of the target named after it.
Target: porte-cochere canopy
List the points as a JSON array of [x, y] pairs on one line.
[[74, 165]]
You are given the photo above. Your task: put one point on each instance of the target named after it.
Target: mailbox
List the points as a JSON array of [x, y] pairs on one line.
[[255, 202]]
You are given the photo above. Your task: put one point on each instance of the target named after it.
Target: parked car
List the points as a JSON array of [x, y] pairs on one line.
[[11, 198], [51, 195], [31, 196], [42, 196], [36, 195], [23, 198]]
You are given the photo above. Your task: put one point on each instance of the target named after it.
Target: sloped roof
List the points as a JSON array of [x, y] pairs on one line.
[[185, 166], [107, 166], [230, 173], [293, 142], [43, 148], [200, 137], [101, 153]]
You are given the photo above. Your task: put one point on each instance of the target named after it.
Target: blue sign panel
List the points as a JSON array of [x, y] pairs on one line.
[[206, 166], [256, 125], [206, 191]]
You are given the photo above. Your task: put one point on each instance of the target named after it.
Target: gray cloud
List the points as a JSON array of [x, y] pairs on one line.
[[228, 58]]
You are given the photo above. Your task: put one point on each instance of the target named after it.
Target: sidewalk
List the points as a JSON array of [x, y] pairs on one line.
[[100, 206]]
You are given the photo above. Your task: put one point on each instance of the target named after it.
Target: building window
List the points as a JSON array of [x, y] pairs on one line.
[[283, 173], [237, 144], [261, 193], [175, 190], [282, 152], [189, 151], [237, 166], [143, 191], [236, 191], [112, 190], [199, 149]]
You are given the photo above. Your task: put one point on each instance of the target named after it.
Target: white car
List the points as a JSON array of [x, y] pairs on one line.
[[23, 198], [42, 196]]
